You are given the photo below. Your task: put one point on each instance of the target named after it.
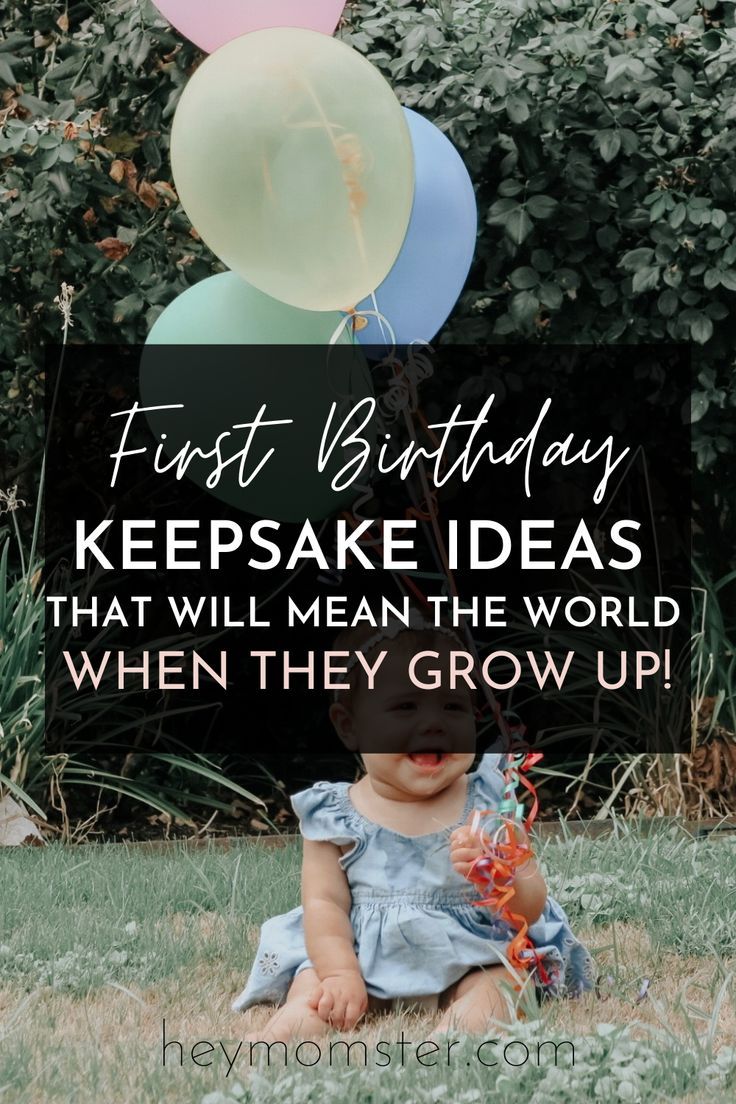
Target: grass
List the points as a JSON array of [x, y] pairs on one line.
[[99, 944]]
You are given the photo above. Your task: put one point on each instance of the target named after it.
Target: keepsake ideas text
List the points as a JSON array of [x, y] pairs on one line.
[[478, 545]]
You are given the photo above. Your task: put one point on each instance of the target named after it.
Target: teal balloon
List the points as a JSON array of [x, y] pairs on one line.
[[225, 310], [223, 350]]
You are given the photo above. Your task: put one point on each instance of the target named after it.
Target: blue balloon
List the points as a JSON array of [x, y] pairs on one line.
[[422, 288]]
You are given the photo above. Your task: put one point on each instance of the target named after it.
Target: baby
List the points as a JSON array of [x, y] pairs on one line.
[[387, 913]]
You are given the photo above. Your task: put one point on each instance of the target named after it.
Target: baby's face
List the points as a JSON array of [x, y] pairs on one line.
[[417, 742]]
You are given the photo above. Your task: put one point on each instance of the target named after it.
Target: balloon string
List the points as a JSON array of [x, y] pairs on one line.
[[350, 164], [428, 510], [349, 319], [379, 316]]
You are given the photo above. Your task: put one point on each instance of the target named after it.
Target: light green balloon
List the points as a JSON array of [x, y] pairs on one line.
[[224, 310], [293, 160], [222, 350]]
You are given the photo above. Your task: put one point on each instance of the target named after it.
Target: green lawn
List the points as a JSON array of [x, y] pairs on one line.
[[99, 944]]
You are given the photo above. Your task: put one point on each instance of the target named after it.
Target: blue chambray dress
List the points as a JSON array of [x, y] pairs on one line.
[[416, 928]]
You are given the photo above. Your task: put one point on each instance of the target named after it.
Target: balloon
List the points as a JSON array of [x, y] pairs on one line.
[[293, 160], [212, 23], [224, 310], [419, 293], [212, 352]]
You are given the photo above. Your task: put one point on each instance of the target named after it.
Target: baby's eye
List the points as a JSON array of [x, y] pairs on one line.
[[406, 705], [458, 707]]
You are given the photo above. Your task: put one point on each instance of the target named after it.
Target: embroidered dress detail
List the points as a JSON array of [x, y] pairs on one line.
[[268, 963]]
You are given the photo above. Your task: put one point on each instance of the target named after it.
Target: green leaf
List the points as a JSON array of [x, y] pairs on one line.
[[510, 187], [524, 278], [701, 329], [517, 109], [568, 279], [657, 209], [664, 15], [498, 81], [645, 279], [711, 41], [67, 152], [677, 216], [698, 406], [712, 278], [541, 206], [636, 259], [728, 279], [717, 310], [608, 143], [667, 303], [7, 76], [607, 237], [550, 295], [669, 120], [624, 64], [127, 234], [524, 308], [683, 81], [518, 225], [414, 38], [49, 157], [617, 66], [499, 211], [129, 307]]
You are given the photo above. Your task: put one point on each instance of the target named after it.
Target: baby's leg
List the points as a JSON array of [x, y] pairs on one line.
[[295, 1018], [474, 1002]]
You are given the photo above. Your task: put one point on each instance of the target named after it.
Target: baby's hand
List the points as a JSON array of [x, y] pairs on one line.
[[466, 848], [341, 1000]]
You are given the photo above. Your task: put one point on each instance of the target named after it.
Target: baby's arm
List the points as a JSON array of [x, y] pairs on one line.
[[530, 889], [341, 998]]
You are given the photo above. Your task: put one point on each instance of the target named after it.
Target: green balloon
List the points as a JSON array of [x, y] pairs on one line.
[[221, 352], [293, 160], [224, 310]]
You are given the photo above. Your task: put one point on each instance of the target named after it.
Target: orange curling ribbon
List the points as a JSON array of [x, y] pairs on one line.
[[504, 855], [496, 871], [529, 786]]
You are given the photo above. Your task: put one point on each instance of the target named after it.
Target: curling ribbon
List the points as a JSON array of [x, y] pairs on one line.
[[496, 869]]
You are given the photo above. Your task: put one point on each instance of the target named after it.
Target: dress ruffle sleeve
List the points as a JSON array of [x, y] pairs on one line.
[[487, 781], [326, 814]]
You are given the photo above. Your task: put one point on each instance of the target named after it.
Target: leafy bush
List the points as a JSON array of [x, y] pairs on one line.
[[600, 138], [601, 141], [89, 95]]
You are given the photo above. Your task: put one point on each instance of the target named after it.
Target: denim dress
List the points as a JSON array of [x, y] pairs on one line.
[[416, 928]]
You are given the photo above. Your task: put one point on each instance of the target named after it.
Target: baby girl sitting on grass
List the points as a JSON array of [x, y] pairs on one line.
[[387, 913]]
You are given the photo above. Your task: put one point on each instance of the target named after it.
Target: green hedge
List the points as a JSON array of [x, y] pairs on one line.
[[600, 137]]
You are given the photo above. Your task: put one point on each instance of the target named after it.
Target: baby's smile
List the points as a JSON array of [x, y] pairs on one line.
[[427, 761]]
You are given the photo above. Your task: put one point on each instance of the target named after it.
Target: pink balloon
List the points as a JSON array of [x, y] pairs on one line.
[[212, 23]]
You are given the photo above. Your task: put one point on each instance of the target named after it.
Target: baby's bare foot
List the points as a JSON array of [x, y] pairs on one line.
[[294, 1021]]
